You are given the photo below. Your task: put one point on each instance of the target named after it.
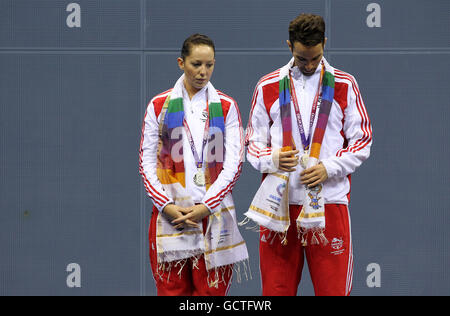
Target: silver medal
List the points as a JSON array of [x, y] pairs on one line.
[[199, 178], [304, 160]]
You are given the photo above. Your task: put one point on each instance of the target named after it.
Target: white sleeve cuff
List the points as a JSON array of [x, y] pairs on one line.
[[211, 210], [161, 208], [331, 166]]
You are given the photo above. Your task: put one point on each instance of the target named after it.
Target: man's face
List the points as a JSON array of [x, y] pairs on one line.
[[307, 58]]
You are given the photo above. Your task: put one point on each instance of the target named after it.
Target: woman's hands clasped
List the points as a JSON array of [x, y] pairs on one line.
[[181, 217]]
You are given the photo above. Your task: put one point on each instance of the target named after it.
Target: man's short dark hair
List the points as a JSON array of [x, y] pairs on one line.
[[196, 39], [308, 29]]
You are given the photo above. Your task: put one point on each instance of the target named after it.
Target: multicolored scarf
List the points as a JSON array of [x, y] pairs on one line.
[[312, 216], [270, 206], [171, 164], [222, 243]]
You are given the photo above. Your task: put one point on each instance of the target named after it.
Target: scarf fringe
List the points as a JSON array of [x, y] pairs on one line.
[[255, 228], [238, 269], [168, 266], [245, 221], [317, 235], [215, 276], [322, 237], [261, 229]]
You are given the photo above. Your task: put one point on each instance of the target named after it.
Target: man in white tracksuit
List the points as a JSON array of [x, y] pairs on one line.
[[346, 144]]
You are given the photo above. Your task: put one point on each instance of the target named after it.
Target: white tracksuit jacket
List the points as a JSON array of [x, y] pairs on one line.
[[233, 143], [347, 139]]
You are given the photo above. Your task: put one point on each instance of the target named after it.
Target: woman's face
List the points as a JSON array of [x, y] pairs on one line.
[[198, 67]]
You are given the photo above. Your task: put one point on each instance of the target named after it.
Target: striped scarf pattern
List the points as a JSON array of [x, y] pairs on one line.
[[170, 169], [312, 216], [324, 112], [285, 111]]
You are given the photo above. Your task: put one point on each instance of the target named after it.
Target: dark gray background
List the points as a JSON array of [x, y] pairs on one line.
[[72, 102]]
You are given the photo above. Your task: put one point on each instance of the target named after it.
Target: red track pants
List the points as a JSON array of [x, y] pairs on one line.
[[330, 266], [192, 281]]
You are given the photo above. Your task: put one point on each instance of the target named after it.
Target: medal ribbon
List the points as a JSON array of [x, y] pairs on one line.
[[198, 160], [306, 141]]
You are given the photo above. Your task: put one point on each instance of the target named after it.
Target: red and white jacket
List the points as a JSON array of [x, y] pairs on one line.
[[346, 142], [233, 143]]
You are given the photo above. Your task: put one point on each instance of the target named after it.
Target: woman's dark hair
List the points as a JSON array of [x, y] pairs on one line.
[[196, 39], [308, 29]]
